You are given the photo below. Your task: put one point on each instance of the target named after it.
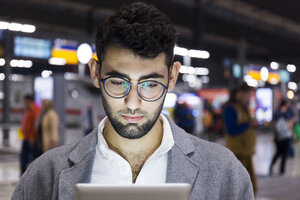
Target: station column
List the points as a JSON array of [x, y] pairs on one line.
[[59, 103], [6, 88]]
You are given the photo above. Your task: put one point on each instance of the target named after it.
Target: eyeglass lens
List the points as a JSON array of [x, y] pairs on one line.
[[118, 87]]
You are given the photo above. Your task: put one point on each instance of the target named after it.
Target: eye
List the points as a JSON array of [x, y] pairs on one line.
[[149, 84], [117, 82]]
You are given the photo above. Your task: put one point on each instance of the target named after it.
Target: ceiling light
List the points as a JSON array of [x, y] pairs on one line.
[[274, 65], [4, 25], [2, 61], [15, 27], [198, 54], [290, 94], [46, 73], [292, 86], [27, 28], [291, 68], [57, 61], [180, 51], [2, 76]]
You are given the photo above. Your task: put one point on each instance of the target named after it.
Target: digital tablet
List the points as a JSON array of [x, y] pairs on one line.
[[168, 191]]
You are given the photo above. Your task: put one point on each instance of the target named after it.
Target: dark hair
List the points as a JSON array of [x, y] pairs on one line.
[[139, 27], [243, 87], [29, 97], [282, 103]]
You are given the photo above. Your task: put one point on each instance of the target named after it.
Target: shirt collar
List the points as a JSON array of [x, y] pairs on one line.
[[166, 144]]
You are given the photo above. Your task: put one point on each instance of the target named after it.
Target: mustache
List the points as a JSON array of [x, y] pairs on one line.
[[131, 111]]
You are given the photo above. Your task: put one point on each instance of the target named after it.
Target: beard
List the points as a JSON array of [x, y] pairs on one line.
[[131, 130]]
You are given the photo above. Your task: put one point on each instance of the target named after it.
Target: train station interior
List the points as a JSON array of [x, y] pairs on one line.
[[45, 46]]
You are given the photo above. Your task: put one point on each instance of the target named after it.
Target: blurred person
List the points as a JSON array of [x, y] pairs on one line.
[[48, 127], [208, 122], [283, 123], [184, 118], [240, 135], [29, 149], [135, 143]]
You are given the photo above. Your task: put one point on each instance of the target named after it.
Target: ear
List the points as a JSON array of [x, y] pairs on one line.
[[173, 75], [94, 71]]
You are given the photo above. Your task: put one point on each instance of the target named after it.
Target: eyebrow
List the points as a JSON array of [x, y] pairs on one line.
[[148, 76]]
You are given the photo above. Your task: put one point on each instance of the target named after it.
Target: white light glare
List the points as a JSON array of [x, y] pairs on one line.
[[264, 74], [180, 51], [273, 81], [2, 76], [28, 64], [198, 54], [292, 86], [274, 65], [16, 77], [15, 27], [27, 28], [13, 63], [46, 73], [4, 25], [291, 68], [2, 61], [71, 76], [21, 63], [250, 81], [84, 53], [205, 79], [57, 61], [202, 71], [290, 94]]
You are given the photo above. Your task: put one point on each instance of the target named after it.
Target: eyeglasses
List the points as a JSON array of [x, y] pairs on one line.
[[118, 87]]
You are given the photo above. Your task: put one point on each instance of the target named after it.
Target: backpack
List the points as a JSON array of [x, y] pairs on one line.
[[282, 129]]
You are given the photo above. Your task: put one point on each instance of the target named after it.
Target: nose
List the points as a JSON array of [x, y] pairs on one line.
[[133, 100]]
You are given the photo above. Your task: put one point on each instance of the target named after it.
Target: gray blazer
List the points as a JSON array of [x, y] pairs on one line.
[[211, 169]]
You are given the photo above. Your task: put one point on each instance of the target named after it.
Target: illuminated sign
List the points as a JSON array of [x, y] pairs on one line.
[[66, 49], [264, 103], [32, 47], [255, 73]]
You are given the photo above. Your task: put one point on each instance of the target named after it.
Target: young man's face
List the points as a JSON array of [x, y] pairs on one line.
[[131, 116]]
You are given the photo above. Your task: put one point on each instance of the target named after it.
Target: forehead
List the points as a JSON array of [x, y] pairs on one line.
[[125, 61]]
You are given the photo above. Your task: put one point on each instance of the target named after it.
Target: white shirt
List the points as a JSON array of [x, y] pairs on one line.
[[110, 168]]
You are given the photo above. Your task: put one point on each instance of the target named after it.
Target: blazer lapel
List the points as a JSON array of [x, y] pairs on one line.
[[81, 161], [181, 169]]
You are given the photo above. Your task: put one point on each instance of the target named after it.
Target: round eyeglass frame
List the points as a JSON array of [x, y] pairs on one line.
[[139, 86]]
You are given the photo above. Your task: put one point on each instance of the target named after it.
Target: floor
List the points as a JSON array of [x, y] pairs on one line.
[[286, 187]]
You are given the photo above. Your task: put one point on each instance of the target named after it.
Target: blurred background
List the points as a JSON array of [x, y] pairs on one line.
[[45, 46]]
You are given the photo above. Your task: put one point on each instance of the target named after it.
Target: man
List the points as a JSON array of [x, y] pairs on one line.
[[29, 150], [240, 128], [135, 143]]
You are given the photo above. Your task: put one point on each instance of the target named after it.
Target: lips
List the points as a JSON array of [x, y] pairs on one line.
[[132, 119]]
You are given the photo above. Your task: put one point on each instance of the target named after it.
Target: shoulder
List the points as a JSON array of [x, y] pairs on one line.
[[218, 161], [40, 180], [221, 170], [215, 155], [53, 160]]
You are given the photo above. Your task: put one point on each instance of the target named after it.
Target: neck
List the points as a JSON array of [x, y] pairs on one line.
[[145, 145]]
